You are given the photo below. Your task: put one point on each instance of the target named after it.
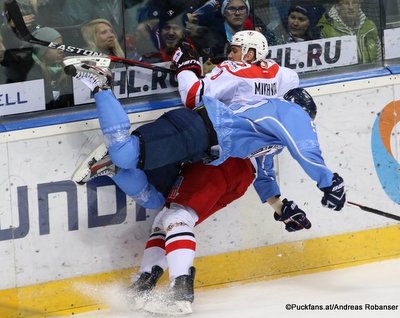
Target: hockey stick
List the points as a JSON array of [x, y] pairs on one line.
[[375, 211], [13, 13]]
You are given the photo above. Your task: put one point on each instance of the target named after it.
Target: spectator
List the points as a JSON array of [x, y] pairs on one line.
[[78, 12], [156, 40], [235, 13], [170, 34], [48, 65], [99, 35], [213, 30], [300, 23], [346, 18]]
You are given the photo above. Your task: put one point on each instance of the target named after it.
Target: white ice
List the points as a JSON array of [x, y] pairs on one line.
[[375, 284]]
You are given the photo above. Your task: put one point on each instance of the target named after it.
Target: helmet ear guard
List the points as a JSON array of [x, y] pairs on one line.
[[251, 40], [302, 98]]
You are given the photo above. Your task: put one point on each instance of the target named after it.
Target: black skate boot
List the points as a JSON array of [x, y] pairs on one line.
[[140, 290], [179, 299], [182, 287]]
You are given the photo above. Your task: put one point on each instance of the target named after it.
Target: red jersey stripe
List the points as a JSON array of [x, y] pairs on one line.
[[254, 71], [191, 96]]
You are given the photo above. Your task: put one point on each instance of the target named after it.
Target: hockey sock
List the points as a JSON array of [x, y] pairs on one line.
[[180, 242], [154, 253], [180, 246]]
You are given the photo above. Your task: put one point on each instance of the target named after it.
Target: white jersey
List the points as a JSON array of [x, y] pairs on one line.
[[237, 82]]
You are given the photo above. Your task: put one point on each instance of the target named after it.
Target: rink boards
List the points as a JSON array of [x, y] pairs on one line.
[[55, 234]]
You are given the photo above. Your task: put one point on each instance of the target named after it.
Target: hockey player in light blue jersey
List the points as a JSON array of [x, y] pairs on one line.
[[258, 129], [262, 130]]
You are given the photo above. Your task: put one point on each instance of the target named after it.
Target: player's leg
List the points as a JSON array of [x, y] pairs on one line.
[[199, 187], [177, 136], [207, 189], [239, 175], [135, 184], [153, 264], [180, 245]]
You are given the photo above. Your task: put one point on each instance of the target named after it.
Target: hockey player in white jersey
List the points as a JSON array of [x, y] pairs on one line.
[[201, 190]]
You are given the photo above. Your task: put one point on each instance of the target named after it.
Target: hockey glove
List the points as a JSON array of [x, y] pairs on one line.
[[334, 196], [186, 58], [294, 218]]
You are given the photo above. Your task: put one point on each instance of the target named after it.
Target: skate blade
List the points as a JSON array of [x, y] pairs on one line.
[[175, 308], [82, 174]]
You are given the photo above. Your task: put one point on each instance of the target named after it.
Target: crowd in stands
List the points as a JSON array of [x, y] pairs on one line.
[[151, 30]]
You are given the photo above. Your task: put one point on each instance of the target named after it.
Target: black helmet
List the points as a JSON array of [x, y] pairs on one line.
[[302, 98]]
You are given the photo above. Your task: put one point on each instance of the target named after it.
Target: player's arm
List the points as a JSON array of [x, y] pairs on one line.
[[219, 83], [307, 153], [267, 188]]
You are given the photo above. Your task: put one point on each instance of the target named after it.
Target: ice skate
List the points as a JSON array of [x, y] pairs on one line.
[[97, 164], [92, 71], [140, 290], [179, 299]]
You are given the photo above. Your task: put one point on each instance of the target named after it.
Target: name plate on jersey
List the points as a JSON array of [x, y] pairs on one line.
[[317, 54], [22, 97]]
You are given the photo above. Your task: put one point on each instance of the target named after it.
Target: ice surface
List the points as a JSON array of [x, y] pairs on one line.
[[375, 284]]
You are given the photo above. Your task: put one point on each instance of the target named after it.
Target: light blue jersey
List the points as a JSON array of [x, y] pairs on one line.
[[263, 129]]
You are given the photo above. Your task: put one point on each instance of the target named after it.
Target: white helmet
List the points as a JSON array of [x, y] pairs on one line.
[[251, 40]]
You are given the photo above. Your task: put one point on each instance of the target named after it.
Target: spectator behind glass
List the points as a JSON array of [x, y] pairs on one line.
[[157, 40], [346, 18], [78, 12], [300, 23], [99, 35], [218, 26], [235, 13], [48, 65], [171, 34]]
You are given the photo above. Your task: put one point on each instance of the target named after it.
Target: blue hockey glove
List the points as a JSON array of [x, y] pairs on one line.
[[186, 58], [294, 218], [334, 196]]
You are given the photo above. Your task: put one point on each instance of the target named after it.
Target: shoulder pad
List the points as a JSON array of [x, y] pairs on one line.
[[234, 66]]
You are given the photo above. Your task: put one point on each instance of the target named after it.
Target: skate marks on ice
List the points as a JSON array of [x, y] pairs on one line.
[[114, 296], [121, 303], [375, 283]]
